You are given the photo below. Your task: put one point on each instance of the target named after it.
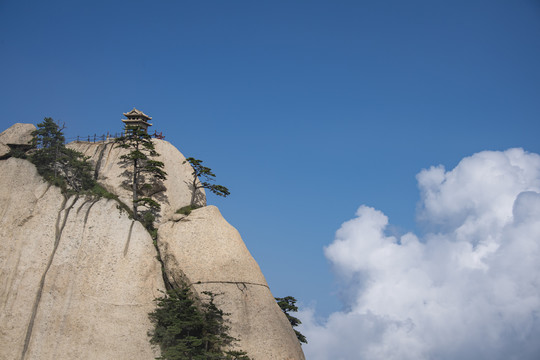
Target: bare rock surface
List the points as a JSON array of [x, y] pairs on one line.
[[77, 277], [17, 134], [176, 191], [204, 250], [4, 149]]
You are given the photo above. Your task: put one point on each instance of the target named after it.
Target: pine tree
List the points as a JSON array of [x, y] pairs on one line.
[[142, 171], [187, 330], [204, 173], [287, 304]]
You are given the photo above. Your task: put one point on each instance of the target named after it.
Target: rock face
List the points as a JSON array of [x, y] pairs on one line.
[[205, 250], [4, 150], [176, 191], [77, 277], [16, 136]]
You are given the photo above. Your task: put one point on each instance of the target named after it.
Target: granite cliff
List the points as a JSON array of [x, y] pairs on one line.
[[78, 277]]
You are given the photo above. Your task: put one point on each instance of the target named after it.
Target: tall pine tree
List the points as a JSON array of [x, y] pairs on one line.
[[142, 171]]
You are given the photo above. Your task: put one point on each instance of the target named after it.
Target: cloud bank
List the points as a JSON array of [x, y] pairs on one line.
[[467, 289]]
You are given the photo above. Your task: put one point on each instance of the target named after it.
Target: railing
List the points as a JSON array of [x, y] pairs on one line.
[[101, 138]]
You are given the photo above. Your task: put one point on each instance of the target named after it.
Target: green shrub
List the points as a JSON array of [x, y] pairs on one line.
[[147, 220]]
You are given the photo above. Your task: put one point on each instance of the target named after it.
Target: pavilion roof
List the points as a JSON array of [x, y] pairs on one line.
[[137, 113]]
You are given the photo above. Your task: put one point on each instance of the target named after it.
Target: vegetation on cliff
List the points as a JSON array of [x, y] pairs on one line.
[[287, 305], [143, 173], [59, 165], [188, 330], [205, 174]]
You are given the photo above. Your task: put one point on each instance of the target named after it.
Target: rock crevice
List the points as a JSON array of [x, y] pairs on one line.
[[209, 254], [58, 236]]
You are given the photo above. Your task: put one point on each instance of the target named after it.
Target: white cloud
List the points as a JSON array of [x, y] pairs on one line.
[[468, 289]]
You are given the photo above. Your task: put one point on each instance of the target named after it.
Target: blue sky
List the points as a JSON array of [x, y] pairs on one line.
[[305, 110]]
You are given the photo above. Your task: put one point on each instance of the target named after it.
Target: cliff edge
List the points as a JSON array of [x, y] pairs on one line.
[[78, 277]]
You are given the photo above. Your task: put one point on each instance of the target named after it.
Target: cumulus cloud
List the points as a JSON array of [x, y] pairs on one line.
[[469, 288]]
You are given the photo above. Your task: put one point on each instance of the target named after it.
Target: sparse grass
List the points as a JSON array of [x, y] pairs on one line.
[[100, 191], [186, 210]]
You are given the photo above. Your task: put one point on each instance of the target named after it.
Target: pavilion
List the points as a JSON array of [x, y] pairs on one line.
[[137, 118]]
